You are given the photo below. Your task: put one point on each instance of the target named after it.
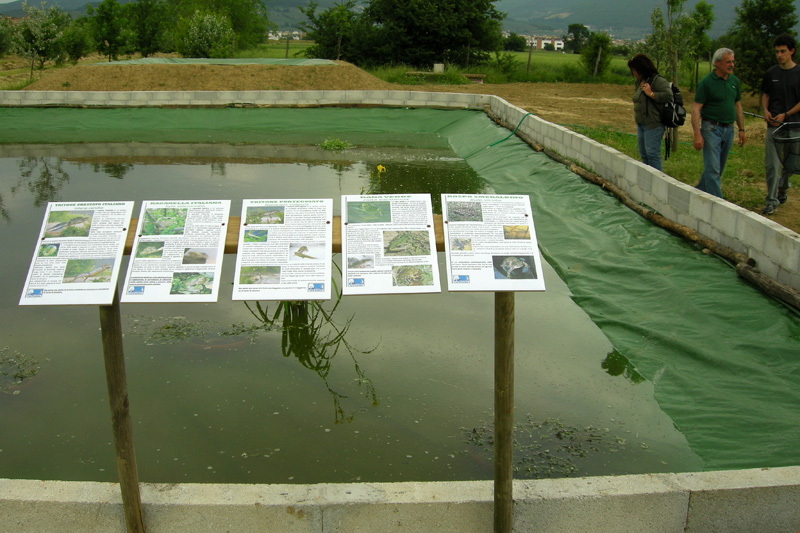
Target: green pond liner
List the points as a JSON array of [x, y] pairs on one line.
[[723, 358]]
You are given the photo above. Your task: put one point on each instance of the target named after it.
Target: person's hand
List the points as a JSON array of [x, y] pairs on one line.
[[647, 90], [698, 142], [741, 138], [774, 120]]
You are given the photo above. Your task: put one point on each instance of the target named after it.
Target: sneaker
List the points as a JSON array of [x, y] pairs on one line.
[[769, 209], [782, 198]]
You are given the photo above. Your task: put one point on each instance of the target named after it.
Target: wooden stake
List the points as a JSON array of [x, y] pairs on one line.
[[111, 327], [503, 410]]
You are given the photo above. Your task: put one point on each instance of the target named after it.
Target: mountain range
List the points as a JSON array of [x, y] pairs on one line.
[[624, 19]]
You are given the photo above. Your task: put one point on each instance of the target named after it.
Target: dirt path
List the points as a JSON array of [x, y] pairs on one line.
[[562, 103]]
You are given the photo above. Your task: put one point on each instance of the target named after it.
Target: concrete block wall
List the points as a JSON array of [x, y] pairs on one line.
[[775, 249], [764, 500]]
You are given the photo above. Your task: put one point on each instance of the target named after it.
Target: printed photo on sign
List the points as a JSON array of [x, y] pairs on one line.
[[412, 275], [461, 245], [68, 224], [514, 267], [164, 221], [369, 212], [304, 252], [88, 270], [516, 232], [260, 275], [49, 250], [464, 212], [150, 250], [199, 256], [406, 243], [360, 261], [192, 283], [256, 235], [265, 214]]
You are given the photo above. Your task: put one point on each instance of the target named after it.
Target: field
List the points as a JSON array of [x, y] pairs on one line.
[[602, 111]]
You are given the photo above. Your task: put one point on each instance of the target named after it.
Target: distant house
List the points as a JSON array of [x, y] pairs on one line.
[[294, 35], [539, 42]]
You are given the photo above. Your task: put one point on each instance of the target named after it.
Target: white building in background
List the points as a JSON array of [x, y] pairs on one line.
[[539, 42], [294, 35]]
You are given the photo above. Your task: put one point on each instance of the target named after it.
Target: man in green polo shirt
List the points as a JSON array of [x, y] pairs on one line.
[[717, 106]]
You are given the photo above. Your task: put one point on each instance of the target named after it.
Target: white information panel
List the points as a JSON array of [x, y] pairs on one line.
[[285, 249], [177, 253], [490, 243], [389, 244], [78, 254]]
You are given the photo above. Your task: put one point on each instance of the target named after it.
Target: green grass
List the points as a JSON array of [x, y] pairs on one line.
[[545, 67], [275, 50], [743, 179]]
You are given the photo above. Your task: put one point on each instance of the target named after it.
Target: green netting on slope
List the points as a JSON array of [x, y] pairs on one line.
[[209, 61], [722, 356], [367, 127]]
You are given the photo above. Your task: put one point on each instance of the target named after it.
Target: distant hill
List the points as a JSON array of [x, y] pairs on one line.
[[625, 19]]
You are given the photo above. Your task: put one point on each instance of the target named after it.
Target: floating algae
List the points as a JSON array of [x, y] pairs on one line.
[[550, 448], [15, 368]]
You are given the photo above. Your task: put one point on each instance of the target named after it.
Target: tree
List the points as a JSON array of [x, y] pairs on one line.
[[576, 38], [757, 23], [107, 27], [248, 18], [596, 55], [699, 44], [207, 35], [77, 40], [654, 45], [39, 35], [148, 23], [515, 43], [423, 32], [8, 33], [333, 31]]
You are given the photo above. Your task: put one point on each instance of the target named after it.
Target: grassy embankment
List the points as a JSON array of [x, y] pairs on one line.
[[744, 175]]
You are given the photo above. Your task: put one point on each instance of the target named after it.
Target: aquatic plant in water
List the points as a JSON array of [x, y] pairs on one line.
[[549, 448], [15, 368], [335, 144], [309, 334]]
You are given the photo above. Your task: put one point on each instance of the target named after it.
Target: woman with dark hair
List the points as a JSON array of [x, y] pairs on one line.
[[651, 90]]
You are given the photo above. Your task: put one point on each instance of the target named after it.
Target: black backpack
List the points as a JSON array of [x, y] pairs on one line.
[[673, 113]]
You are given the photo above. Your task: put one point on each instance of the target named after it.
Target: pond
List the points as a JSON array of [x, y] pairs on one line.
[[614, 371]]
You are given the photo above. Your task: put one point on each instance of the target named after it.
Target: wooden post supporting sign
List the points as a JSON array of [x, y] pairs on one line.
[[111, 327], [503, 410]]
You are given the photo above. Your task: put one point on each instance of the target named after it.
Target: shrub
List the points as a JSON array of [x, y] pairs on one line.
[[207, 35], [7, 33]]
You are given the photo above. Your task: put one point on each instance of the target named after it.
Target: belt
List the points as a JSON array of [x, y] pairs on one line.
[[718, 124]]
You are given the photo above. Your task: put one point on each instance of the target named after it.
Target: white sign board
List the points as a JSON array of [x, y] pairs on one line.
[[177, 252], [78, 254], [490, 243], [285, 249], [389, 244]]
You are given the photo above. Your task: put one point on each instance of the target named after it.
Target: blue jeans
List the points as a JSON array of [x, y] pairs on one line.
[[650, 144], [717, 142], [777, 176]]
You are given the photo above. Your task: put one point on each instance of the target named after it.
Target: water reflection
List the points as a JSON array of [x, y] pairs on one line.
[[309, 334], [115, 170], [42, 177], [616, 364]]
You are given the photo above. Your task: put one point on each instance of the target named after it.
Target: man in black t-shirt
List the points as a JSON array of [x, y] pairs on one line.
[[780, 98]]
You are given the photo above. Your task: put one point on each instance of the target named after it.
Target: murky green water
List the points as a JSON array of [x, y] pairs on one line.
[[215, 398], [649, 356]]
